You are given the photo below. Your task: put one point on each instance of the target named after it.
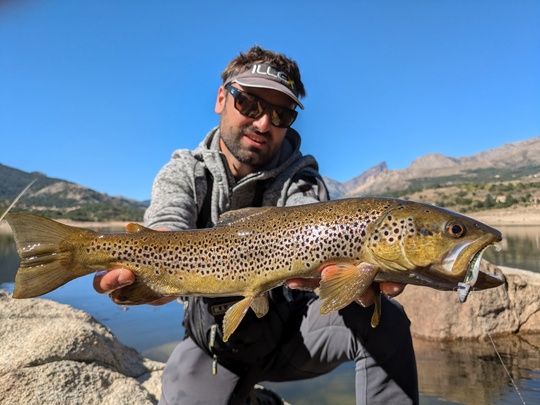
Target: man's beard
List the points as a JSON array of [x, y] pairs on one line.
[[251, 156]]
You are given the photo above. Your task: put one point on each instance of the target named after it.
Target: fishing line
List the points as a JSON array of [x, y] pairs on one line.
[[17, 199], [484, 325], [502, 362]]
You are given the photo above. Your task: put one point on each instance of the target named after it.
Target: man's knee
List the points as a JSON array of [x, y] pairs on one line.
[[188, 378]]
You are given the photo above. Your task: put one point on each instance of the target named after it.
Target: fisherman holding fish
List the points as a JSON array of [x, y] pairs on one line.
[[253, 159]]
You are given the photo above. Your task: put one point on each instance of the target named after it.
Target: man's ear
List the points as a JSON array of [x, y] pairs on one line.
[[220, 100]]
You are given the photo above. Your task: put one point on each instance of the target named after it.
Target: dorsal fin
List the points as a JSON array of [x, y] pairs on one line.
[[132, 227], [230, 217]]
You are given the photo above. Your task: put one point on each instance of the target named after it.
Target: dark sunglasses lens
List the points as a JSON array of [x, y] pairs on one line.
[[248, 106], [252, 107], [283, 118]]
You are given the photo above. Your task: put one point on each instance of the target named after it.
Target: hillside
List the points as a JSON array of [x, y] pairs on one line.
[[503, 177], [496, 178], [58, 198], [337, 189]]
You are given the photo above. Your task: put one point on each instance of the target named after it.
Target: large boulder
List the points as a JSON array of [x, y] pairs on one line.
[[509, 309], [53, 353]]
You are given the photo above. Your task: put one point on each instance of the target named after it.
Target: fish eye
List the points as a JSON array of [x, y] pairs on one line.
[[456, 229]]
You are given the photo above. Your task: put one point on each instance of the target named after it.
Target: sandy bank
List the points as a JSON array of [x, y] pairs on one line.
[[529, 215]]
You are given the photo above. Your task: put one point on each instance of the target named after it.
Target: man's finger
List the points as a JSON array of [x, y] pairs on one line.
[[303, 284], [391, 289], [106, 282]]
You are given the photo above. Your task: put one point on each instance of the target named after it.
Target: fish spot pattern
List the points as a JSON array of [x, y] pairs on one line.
[[291, 240]]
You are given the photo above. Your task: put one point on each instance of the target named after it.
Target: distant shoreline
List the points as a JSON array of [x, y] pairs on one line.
[[529, 215], [522, 216]]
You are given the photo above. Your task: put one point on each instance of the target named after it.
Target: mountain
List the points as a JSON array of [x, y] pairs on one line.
[[509, 162], [499, 177], [338, 189], [58, 198]]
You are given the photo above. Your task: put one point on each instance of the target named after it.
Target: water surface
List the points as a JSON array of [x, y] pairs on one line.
[[463, 373]]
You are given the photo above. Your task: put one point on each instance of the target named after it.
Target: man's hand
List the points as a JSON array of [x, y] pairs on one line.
[[389, 289], [111, 282]]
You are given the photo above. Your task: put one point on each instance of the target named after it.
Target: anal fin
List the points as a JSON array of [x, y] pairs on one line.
[[234, 316]]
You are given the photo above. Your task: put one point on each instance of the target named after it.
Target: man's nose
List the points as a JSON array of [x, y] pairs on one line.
[[263, 123]]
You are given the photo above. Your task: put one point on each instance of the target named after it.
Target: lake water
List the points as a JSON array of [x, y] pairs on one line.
[[464, 373]]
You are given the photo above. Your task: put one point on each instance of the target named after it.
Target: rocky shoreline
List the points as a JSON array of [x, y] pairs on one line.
[[52, 353], [51, 350]]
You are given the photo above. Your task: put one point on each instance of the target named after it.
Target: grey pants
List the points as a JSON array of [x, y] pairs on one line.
[[384, 357]]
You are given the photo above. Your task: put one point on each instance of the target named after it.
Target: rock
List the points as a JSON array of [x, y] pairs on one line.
[[51, 351], [509, 309], [70, 382]]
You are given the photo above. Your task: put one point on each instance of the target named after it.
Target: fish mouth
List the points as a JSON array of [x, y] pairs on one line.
[[476, 279], [460, 267]]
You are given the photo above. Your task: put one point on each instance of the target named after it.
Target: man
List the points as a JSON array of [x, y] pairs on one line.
[[251, 159]]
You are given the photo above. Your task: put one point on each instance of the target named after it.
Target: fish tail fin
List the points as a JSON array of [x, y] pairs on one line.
[[48, 259]]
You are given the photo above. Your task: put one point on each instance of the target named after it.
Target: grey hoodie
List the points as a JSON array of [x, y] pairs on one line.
[[181, 196], [180, 188]]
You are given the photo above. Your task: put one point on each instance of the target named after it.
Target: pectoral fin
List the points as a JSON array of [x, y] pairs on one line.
[[342, 283], [234, 316]]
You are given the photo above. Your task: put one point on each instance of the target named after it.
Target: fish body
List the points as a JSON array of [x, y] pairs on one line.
[[351, 243]]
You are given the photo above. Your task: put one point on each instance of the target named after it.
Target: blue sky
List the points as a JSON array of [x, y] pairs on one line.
[[102, 92]]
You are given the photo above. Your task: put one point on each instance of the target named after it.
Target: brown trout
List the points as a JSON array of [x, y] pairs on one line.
[[351, 243]]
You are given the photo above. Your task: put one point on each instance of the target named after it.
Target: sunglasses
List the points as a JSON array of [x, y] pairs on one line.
[[253, 107]]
